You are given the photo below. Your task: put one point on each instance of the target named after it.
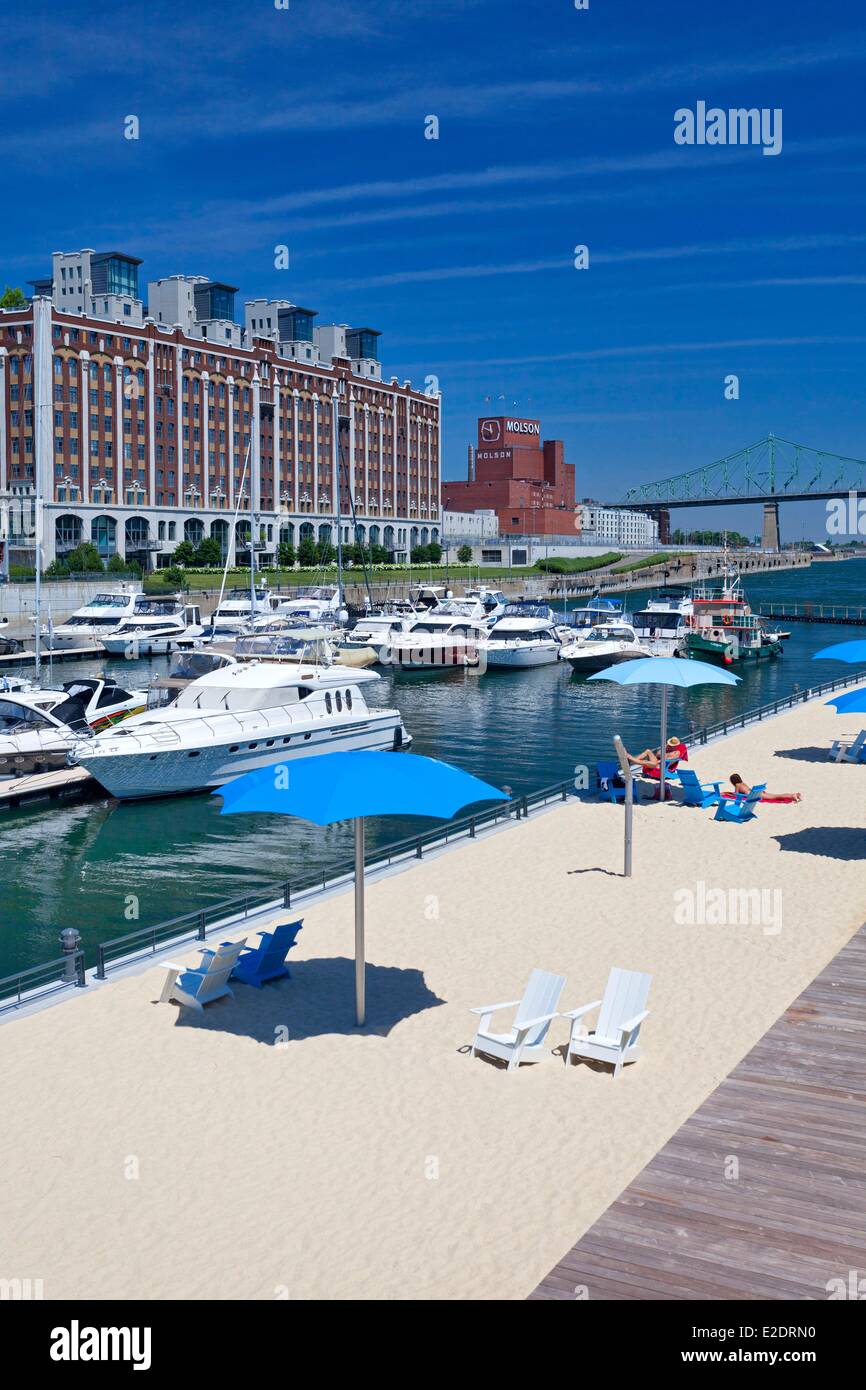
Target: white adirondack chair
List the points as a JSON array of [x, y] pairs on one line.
[[524, 1041], [198, 985], [623, 1010], [847, 750]]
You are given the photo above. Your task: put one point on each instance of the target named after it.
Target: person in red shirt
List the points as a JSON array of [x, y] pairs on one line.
[[650, 759]]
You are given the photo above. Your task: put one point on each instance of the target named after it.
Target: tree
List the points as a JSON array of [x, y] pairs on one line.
[[434, 552], [324, 552], [116, 564], [84, 559], [419, 555], [56, 570], [13, 299], [379, 555], [464, 554], [184, 553], [209, 552], [286, 555], [307, 555]]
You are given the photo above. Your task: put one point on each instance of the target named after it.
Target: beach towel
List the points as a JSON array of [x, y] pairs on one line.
[[782, 800]]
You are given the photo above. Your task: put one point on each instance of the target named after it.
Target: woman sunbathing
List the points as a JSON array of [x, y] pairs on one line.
[[742, 788], [650, 758]]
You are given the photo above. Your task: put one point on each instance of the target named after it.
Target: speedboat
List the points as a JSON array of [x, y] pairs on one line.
[[226, 723], [662, 624], [39, 727], [524, 636], [606, 644], [157, 628], [99, 618], [445, 639], [493, 601], [236, 612], [423, 597]]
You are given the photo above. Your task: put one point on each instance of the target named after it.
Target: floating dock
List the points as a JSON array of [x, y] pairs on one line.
[[65, 783], [28, 658], [841, 614]]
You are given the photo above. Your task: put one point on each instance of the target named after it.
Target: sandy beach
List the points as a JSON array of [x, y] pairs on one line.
[[269, 1150]]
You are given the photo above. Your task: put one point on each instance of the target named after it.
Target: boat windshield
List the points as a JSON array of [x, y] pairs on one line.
[[109, 601], [610, 634], [519, 634], [19, 719], [90, 622]]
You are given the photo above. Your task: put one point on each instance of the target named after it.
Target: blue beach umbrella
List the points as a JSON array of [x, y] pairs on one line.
[[851, 702], [843, 651], [350, 786], [665, 671]]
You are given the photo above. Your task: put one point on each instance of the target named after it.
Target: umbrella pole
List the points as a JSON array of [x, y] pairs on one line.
[[359, 922], [663, 750]]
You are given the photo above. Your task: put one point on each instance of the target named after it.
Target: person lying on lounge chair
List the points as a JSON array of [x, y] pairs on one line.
[[650, 759], [742, 788]]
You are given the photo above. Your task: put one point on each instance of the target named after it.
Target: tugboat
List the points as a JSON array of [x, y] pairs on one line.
[[723, 627]]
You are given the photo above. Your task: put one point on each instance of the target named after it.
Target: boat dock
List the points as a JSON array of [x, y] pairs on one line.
[[28, 658], [65, 783], [762, 1193], [844, 615]]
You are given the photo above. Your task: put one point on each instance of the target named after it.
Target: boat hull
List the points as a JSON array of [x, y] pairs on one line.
[[598, 661], [520, 658], [705, 649], [152, 772]]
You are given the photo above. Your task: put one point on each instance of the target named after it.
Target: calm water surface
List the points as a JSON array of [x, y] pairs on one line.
[[75, 865]]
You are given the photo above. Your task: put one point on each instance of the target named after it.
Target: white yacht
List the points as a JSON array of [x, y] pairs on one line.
[[315, 603], [238, 610], [236, 719], [39, 727], [158, 627], [444, 639], [188, 665], [524, 636], [493, 601], [606, 644], [598, 610], [662, 624], [100, 617], [378, 630], [423, 597]]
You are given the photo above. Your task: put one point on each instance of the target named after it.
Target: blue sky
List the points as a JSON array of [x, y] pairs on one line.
[[305, 126]]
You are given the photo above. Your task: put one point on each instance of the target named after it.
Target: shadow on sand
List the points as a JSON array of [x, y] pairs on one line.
[[830, 841], [805, 755], [318, 999]]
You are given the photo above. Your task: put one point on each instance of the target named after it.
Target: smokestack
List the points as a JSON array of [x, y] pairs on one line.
[[470, 471]]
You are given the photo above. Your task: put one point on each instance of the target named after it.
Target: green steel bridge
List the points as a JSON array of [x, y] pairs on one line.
[[772, 471]]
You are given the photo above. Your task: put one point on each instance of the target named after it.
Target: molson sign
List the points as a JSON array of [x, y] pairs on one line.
[[502, 429]]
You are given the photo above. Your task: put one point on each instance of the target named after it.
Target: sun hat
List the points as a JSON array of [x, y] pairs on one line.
[[673, 741]]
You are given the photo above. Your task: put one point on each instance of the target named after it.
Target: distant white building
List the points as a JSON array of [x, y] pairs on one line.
[[468, 528], [609, 525]]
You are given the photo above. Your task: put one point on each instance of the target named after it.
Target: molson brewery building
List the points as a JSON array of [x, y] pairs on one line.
[[524, 480]]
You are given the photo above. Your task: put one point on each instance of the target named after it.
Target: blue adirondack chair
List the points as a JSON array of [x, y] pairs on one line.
[[695, 793], [605, 772], [740, 808], [267, 961]]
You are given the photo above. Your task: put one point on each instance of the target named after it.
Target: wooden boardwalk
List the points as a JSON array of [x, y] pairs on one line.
[[793, 1117], [46, 786]]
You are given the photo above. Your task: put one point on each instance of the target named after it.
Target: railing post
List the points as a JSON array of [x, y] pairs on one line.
[[200, 933], [100, 962], [525, 808], [418, 847], [472, 828], [81, 982], [287, 894]]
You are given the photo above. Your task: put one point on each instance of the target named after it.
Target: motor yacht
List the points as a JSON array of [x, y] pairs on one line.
[[663, 623], [598, 610], [377, 631], [314, 602], [100, 617], [493, 601], [39, 727], [157, 628], [443, 639], [226, 723], [187, 666], [524, 636], [606, 644], [239, 609]]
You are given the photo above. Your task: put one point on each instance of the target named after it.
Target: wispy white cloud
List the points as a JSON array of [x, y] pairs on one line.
[[637, 350]]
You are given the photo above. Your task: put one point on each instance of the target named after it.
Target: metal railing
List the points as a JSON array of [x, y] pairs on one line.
[[754, 716], [63, 971]]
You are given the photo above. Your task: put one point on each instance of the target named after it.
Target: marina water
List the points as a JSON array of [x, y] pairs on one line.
[[107, 868]]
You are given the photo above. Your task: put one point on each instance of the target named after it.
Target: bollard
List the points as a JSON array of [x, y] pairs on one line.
[[70, 940]]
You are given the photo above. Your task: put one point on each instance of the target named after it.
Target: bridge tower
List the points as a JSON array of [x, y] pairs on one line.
[[770, 529]]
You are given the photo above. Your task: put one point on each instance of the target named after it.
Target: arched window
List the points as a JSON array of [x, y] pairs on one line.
[[67, 533], [103, 534]]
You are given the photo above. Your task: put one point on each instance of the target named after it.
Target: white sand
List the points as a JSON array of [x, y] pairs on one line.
[[392, 1164]]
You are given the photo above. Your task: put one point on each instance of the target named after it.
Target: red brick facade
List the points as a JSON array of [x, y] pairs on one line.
[[526, 482]]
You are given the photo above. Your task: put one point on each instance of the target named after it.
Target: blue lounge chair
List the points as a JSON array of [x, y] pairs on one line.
[[606, 772], [695, 793], [740, 808], [267, 961]]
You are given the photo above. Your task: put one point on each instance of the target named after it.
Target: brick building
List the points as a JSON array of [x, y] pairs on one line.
[[137, 419], [524, 480]]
